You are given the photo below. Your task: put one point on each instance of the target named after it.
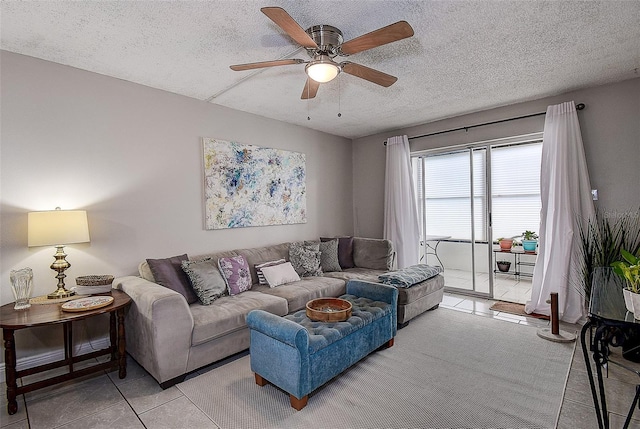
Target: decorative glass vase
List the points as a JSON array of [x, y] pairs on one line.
[[21, 285]]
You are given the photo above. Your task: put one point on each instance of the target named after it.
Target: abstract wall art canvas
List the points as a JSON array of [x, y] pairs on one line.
[[247, 185]]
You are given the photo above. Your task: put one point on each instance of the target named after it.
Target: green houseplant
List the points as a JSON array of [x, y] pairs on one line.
[[601, 241], [629, 269], [529, 241]]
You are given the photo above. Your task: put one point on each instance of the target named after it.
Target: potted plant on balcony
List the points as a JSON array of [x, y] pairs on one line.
[[505, 243], [503, 266], [529, 241], [629, 270]]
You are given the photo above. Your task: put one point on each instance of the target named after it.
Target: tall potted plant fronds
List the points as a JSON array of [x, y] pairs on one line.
[[601, 241]]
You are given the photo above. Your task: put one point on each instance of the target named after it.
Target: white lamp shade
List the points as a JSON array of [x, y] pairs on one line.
[[57, 228]]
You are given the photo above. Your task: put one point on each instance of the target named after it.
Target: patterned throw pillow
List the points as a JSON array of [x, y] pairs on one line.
[[409, 276], [206, 279], [305, 258], [168, 273], [236, 274], [345, 251], [259, 267], [281, 274], [329, 256]]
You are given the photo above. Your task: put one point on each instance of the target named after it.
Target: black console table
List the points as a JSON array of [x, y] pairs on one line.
[[609, 325]]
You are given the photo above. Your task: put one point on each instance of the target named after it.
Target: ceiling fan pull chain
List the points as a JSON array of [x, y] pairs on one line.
[[308, 117], [339, 105]]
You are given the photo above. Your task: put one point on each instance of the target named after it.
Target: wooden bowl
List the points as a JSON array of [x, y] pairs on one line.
[[328, 310]]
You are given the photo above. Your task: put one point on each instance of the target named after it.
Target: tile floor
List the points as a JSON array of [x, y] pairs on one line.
[[506, 287], [105, 401]]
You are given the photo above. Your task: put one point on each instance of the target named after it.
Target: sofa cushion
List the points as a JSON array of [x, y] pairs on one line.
[[373, 254], [365, 274], [168, 273], [345, 251], [409, 276], [329, 256], [236, 274], [206, 280], [280, 274], [229, 313], [305, 258], [407, 295], [299, 293], [259, 255]]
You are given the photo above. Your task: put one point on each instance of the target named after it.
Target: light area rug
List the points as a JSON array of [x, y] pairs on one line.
[[447, 369]]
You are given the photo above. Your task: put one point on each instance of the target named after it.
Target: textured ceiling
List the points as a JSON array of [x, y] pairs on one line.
[[465, 56]]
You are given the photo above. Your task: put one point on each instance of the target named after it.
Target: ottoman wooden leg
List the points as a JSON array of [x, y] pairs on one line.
[[259, 380], [389, 343], [298, 404]]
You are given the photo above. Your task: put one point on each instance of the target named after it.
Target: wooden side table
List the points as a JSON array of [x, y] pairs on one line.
[[51, 314]]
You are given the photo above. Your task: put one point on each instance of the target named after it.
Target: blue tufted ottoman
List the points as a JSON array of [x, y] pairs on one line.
[[299, 355]]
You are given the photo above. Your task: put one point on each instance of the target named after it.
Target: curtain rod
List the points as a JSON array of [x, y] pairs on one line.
[[579, 106]]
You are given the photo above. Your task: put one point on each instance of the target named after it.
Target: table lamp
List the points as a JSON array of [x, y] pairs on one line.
[[58, 228]]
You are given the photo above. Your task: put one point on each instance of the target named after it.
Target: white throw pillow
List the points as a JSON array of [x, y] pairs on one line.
[[259, 267], [280, 274]]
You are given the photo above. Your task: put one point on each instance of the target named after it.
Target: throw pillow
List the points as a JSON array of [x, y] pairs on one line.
[[345, 251], [168, 273], [259, 267], [409, 276], [329, 256], [236, 274], [277, 275], [206, 280], [305, 258]]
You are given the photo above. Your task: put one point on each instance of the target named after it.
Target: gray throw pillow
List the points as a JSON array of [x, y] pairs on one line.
[[329, 256], [206, 279], [305, 258], [345, 251], [168, 273]]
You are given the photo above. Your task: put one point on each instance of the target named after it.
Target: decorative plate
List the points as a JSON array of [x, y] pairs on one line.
[[89, 303]]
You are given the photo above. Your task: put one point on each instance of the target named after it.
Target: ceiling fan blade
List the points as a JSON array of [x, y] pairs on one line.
[[369, 74], [263, 64], [290, 26], [391, 33], [310, 89]]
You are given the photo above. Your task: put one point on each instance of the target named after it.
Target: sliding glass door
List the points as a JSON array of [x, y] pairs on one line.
[[451, 191], [467, 198]]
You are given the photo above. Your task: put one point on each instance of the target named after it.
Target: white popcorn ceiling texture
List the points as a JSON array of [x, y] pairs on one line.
[[465, 56]]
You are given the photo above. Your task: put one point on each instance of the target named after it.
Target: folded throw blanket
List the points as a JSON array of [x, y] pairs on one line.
[[407, 277]]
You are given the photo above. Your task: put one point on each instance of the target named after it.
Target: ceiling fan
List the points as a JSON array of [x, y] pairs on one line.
[[323, 43]]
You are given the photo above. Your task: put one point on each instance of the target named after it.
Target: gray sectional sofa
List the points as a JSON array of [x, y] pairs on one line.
[[171, 338]]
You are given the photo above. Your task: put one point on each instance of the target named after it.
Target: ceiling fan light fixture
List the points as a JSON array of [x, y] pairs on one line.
[[322, 69]]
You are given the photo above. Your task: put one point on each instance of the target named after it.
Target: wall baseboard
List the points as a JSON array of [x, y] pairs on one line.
[[54, 356]]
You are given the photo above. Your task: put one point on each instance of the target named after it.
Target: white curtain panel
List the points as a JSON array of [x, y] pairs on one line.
[[400, 212], [566, 196]]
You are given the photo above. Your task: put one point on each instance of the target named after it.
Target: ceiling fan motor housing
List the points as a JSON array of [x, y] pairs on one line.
[[327, 37]]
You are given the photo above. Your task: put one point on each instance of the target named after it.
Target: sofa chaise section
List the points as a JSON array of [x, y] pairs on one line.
[[170, 338]]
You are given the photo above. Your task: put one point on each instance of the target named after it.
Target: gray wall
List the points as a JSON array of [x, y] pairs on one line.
[[132, 157], [610, 127]]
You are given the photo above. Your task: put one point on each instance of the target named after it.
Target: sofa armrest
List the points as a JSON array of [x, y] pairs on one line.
[[376, 292], [374, 253], [373, 291], [159, 326]]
